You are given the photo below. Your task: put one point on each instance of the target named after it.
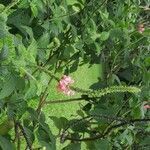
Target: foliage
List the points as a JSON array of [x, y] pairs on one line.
[[41, 38]]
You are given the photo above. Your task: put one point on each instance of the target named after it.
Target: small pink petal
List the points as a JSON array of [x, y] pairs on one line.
[[141, 28], [63, 85], [68, 79], [69, 92], [62, 82], [147, 106]]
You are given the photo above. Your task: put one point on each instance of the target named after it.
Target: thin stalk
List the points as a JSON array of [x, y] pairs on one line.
[[46, 71], [43, 97], [64, 101]]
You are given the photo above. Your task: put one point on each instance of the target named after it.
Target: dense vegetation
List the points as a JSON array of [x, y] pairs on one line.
[[45, 41]]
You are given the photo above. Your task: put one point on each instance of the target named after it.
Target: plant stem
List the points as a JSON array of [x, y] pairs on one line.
[[64, 101], [46, 71], [43, 97]]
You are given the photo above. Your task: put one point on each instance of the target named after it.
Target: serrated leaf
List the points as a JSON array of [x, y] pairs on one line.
[[31, 91], [3, 26], [78, 125], [32, 49], [8, 87], [43, 41], [4, 53]]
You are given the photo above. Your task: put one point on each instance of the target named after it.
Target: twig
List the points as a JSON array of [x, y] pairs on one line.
[[108, 131], [90, 117], [43, 97], [46, 71]]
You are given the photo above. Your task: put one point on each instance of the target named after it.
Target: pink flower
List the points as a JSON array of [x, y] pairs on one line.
[[141, 28], [147, 106], [63, 85]]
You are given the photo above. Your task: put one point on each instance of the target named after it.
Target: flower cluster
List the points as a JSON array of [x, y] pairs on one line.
[[63, 85], [141, 28], [147, 106]]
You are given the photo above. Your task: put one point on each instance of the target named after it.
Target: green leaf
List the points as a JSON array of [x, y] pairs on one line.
[[72, 2], [6, 126], [20, 19], [102, 144], [1, 7], [6, 144], [32, 49], [8, 87], [19, 82], [104, 36], [33, 114], [67, 51], [73, 146], [29, 134], [60, 123], [45, 137], [24, 4], [136, 112], [3, 26], [34, 9], [147, 61], [43, 41], [145, 141], [28, 30], [78, 125], [74, 66], [87, 107], [4, 53]]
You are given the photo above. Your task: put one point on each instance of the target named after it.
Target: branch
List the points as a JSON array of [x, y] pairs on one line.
[[43, 97], [46, 71], [108, 131]]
